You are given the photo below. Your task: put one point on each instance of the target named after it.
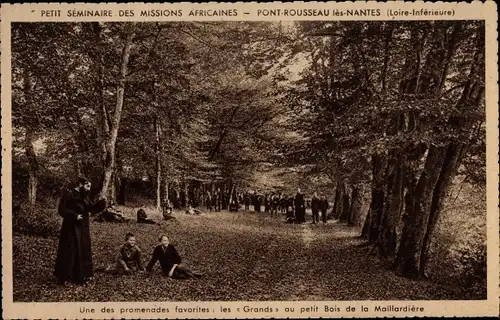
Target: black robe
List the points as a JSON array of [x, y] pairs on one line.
[[300, 209], [74, 255]]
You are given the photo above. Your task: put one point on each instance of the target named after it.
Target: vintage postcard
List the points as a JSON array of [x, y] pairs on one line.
[[249, 160]]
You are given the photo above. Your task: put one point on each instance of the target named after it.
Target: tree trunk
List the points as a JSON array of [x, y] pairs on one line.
[[104, 120], [366, 225], [158, 163], [337, 201], [355, 207], [119, 195], [417, 214], [113, 186], [450, 51], [448, 170], [344, 216], [387, 42], [186, 191], [115, 121], [166, 188], [378, 198], [387, 241], [32, 167], [29, 145]]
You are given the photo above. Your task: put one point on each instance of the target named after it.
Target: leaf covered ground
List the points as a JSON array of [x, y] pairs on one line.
[[244, 256]]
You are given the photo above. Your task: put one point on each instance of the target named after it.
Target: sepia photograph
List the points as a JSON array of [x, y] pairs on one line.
[[248, 161]]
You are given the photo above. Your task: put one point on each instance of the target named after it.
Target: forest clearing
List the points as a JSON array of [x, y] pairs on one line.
[[244, 256], [254, 129]]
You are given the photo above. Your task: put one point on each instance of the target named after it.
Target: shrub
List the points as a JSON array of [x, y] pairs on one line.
[[458, 251], [40, 221]]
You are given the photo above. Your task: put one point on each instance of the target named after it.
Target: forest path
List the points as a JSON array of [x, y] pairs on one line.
[[244, 256]]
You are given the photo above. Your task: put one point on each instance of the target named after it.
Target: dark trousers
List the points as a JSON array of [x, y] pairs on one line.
[[315, 215], [323, 216], [181, 272]]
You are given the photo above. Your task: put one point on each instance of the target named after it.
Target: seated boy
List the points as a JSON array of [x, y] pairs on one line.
[[170, 261], [129, 258], [142, 217], [167, 210]]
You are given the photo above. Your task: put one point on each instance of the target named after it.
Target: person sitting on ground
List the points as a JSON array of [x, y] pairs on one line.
[[167, 209], [290, 215], [128, 260], [111, 214], [194, 211], [142, 217], [170, 261]]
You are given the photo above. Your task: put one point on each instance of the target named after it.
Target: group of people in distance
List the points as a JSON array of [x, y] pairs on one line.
[[274, 203], [74, 255], [296, 208]]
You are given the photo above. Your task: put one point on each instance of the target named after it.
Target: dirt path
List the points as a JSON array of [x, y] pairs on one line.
[[305, 286]]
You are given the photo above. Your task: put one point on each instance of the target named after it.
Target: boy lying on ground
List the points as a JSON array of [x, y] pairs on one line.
[[193, 211], [111, 214], [170, 261]]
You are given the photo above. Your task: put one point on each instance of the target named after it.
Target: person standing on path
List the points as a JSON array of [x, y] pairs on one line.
[[323, 208], [246, 198], [74, 255], [300, 209], [315, 207], [218, 200]]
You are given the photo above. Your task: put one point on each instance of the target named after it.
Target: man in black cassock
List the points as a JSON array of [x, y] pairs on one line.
[[300, 208], [74, 255]]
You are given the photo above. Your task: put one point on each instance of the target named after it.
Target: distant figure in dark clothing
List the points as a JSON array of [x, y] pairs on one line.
[[315, 207], [218, 200], [300, 210], [111, 214], [170, 261], [74, 255], [290, 203], [258, 203], [274, 204], [283, 203], [142, 217], [246, 199], [208, 201], [324, 208], [290, 215], [234, 206], [167, 210]]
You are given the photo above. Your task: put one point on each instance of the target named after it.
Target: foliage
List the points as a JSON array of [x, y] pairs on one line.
[[459, 247], [36, 222]]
